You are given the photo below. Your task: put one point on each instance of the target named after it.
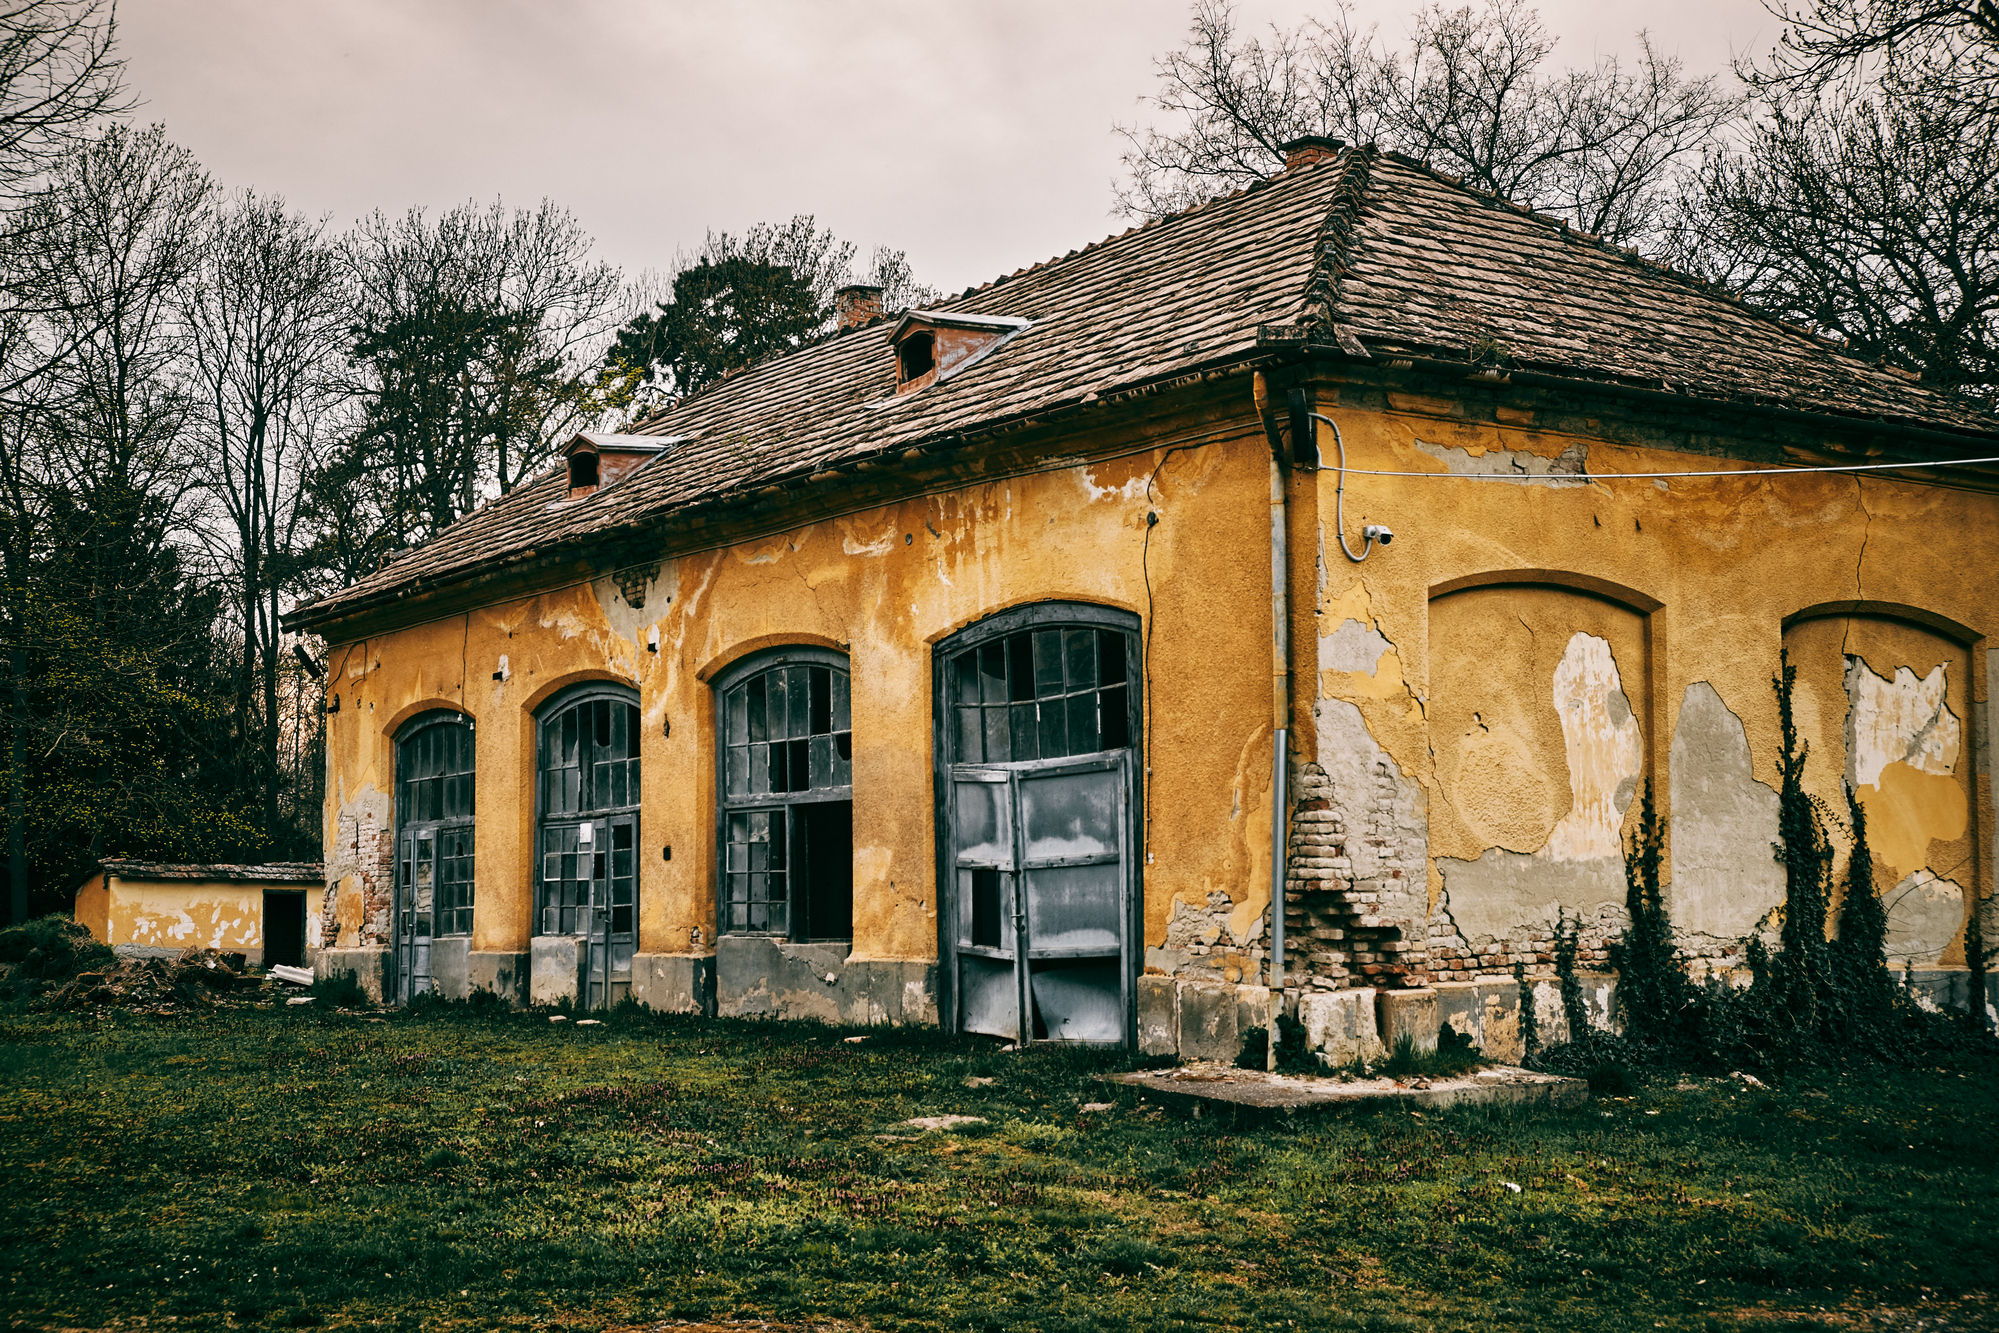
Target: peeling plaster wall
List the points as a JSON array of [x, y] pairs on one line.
[[882, 584], [1884, 705], [168, 916], [1538, 752], [1476, 708], [1725, 879], [1440, 655]]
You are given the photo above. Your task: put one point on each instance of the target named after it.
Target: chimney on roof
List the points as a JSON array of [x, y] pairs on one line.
[[855, 306], [1310, 151]]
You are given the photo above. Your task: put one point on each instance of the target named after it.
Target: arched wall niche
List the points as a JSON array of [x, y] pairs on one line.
[[1539, 708], [1884, 698]]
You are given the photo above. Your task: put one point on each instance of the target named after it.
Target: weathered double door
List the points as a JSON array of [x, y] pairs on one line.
[[590, 890], [433, 875], [1044, 891]]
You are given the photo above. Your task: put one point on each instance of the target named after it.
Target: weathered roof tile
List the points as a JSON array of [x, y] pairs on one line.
[[1388, 251]]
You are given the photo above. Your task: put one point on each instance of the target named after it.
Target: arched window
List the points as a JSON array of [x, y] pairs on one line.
[[785, 756], [587, 798], [434, 864], [1037, 719]]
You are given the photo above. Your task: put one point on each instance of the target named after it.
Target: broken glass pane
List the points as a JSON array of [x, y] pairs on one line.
[[1079, 1002], [1074, 907], [988, 997], [1047, 663], [983, 893], [1071, 814], [980, 828]]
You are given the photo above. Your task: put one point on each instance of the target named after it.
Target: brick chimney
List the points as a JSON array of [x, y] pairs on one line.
[[856, 305], [1310, 151]]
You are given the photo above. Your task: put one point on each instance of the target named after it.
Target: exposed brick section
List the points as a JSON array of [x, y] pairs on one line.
[[632, 584], [367, 850], [1336, 934], [1451, 957], [1200, 946], [857, 305]]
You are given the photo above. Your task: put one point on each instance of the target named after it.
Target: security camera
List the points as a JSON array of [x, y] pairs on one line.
[[1374, 532]]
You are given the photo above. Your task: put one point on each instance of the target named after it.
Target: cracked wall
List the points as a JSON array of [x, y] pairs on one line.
[[1725, 879], [1884, 705], [1538, 756], [1444, 650], [882, 584]]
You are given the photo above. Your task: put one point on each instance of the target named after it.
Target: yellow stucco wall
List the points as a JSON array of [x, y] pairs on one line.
[[1478, 706], [882, 585], [182, 914], [1688, 582]]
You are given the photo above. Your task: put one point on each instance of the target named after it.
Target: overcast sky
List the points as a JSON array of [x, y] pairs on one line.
[[976, 136]]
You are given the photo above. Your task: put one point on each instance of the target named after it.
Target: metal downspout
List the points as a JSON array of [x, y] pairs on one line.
[[1280, 712]]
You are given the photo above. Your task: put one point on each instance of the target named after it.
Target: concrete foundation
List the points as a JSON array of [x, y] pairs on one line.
[[757, 976], [1340, 1025], [504, 974], [369, 966], [1407, 1013], [1254, 1097], [448, 963], [675, 983], [555, 968]]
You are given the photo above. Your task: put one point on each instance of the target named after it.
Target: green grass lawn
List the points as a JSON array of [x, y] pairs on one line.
[[298, 1168]]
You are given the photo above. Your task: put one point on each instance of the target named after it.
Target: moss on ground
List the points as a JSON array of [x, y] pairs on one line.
[[303, 1168]]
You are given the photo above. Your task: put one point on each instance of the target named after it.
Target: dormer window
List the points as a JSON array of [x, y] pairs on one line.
[[931, 346], [598, 461], [916, 357]]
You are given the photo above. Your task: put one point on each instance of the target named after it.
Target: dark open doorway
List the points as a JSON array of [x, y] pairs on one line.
[[284, 928]]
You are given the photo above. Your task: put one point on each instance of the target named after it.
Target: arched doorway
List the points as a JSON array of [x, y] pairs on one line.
[[586, 825], [1037, 733]]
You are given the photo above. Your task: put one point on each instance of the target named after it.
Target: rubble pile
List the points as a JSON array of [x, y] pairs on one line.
[[195, 978]]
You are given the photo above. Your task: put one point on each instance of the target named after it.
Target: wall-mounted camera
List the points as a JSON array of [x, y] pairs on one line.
[[1374, 532]]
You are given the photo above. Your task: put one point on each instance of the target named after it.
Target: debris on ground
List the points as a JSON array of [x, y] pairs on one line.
[[192, 979], [38, 956], [944, 1122], [291, 976]]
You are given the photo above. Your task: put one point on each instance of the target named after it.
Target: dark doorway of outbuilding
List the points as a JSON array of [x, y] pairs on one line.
[[284, 928]]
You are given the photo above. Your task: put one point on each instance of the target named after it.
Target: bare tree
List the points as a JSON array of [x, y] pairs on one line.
[[1949, 48], [1602, 147], [1864, 199], [59, 75], [267, 319]]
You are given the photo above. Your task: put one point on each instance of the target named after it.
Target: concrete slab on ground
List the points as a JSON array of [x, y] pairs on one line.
[[1209, 1088]]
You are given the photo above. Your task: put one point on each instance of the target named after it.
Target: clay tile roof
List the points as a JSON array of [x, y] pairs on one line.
[[275, 872], [1377, 254], [1434, 268]]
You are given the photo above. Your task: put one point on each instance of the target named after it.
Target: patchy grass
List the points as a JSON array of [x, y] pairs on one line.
[[310, 1168]]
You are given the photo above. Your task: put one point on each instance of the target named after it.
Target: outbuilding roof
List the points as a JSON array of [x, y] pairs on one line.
[[1369, 253], [275, 872]]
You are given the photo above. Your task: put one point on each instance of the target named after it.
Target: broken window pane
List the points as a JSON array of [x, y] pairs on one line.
[[798, 745], [1077, 1002], [1043, 694], [1073, 908], [1071, 814], [435, 792]]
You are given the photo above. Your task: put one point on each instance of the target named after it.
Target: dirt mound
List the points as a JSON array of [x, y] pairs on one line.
[[195, 978]]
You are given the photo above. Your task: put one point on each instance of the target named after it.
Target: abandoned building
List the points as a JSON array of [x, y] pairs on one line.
[[148, 909], [1358, 538]]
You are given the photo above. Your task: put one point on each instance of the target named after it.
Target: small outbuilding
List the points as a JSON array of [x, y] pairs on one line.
[[147, 909]]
